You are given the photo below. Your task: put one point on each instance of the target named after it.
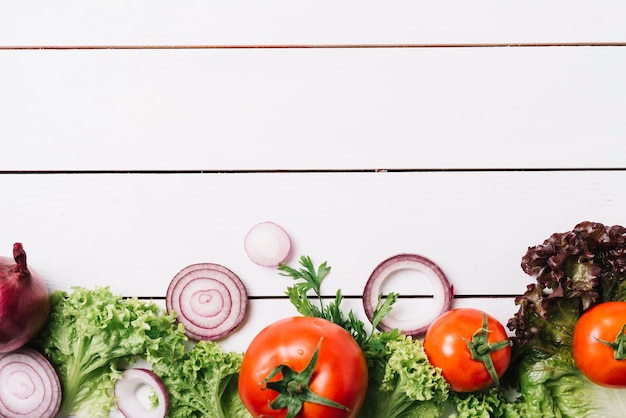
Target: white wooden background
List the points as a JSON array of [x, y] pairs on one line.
[[140, 137]]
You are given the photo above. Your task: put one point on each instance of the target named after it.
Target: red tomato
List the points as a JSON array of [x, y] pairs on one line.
[[446, 345], [340, 373], [596, 359]]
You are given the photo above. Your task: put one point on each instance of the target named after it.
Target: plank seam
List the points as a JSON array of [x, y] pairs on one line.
[[332, 297], [319, 46], [313, 171]]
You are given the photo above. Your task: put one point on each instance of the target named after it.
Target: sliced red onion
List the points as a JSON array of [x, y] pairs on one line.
[[128, 387], [442, 292], [267, 244], [29, 385], [209, 300]]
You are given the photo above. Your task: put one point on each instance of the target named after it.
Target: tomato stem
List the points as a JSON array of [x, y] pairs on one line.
[[618, 345], [293, 389], [480, 348]]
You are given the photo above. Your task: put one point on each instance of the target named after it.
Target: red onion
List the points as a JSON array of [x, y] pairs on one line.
[[128, 387], [29, 385], [24, 301], [442, 292], [209, 300], [267, 244]]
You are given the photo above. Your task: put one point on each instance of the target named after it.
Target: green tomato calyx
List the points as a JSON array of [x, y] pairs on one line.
[[618, 345], [293, 389], [480, 348]]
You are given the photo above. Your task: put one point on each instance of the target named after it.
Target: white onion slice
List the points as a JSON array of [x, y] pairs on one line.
[[442, 292], [267, 244], [29, 385], [128, 387], [209, 300]]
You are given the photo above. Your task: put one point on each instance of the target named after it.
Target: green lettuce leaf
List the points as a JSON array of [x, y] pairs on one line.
[[203, 383], [92, 334], [488, 404], [552, 386], [402, 382]]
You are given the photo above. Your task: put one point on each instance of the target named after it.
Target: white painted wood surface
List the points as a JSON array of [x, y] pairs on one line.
[[138, 138], [348, 108], [309, 22]]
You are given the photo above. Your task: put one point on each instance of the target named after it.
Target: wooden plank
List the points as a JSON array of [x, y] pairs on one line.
[[277, 109], [134, 232], [281, 22]]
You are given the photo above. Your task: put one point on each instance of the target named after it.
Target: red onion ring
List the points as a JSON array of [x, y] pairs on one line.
[[126, 389], [209, 300], [442, 292], [29, 385], [267, 244]]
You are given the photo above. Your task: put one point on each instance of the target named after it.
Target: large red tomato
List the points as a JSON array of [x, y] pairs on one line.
[[599, 341], [450, 340], [339, 373]]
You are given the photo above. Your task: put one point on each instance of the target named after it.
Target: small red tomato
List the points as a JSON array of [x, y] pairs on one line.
[[328, 361], [600, 344], [465, 343]]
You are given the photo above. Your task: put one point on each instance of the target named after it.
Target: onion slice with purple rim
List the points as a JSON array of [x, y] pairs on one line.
[[267, 244], [209, 300], [29, 385], [129, 386], [442, 292]]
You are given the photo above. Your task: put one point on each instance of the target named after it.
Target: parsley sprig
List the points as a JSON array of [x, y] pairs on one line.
[[307, 278]]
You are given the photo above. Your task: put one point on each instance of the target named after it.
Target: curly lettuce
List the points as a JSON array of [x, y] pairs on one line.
[[402, 382], [92, 334], [203, 383], [491, 403]]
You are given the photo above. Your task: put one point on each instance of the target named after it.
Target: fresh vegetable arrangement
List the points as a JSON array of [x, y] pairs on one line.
[[92, 334], [401, 381], [566, 357], [575, 271]]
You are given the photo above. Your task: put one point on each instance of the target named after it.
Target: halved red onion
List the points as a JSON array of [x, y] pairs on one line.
[[267, 244], [442, 292], [29, 385], [209, 300], [128, 387]]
